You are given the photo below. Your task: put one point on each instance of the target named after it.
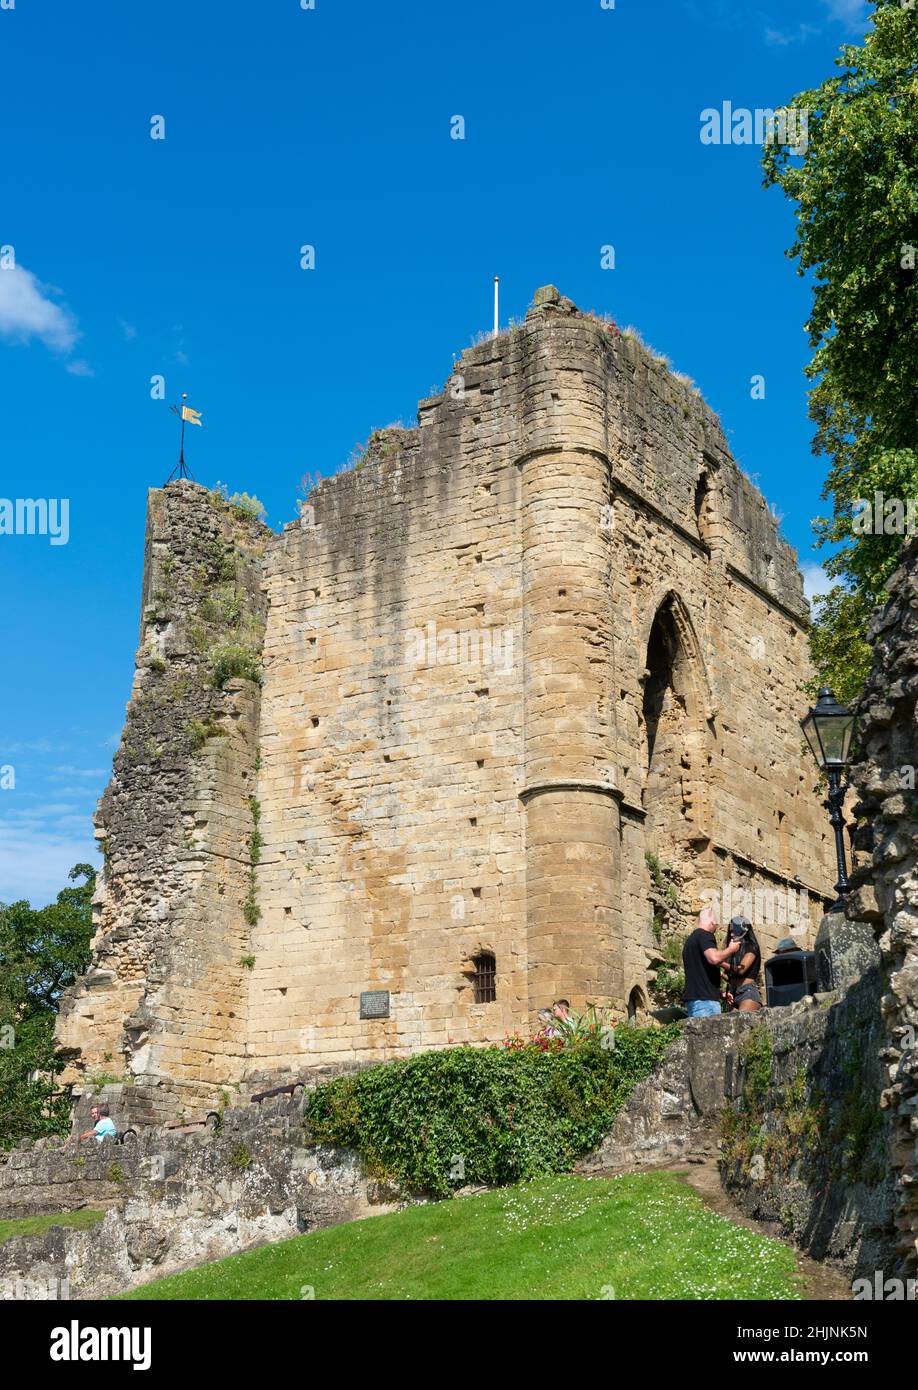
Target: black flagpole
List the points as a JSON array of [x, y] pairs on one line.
[[181, 457], [182, 470]]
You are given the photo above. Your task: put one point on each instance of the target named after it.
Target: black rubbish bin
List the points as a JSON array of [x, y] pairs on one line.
[[790, 974]]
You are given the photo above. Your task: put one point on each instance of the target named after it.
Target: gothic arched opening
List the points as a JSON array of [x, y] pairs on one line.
[[637, 1004], [660, 675], [673, 727], [702, 488]]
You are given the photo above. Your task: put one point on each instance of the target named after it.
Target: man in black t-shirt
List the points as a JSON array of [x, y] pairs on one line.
[[701, 961]]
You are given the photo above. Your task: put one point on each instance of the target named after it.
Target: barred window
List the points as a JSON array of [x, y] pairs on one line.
[[485, 978]]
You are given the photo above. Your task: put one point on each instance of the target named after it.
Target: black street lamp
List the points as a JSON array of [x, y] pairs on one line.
[[828, 728]]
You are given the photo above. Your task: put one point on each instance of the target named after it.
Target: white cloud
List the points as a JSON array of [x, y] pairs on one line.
[[35, 864], [41, 746], [778, 38], [128, 329], [27, 311], [80, 368], [815, 580], [848, 12], [47, 810]]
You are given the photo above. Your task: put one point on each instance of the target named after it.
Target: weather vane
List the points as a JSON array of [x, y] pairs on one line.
[[193, 417]]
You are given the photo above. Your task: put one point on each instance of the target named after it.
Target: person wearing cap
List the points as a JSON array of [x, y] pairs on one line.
[[743, 970]]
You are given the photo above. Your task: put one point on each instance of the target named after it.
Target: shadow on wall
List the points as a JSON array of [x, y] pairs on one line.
[[805, 1144]]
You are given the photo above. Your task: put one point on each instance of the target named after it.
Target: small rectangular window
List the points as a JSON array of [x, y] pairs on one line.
[[485, 978]]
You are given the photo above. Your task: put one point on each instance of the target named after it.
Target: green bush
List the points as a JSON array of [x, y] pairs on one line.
[[219, 559], [239, 502], [229, 661], [474, 1115], [669, 982], [223, 607], [199, 732]]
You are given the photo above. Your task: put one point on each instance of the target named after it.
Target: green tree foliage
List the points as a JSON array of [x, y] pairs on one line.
[[491, 1115], [42, 950], [856, 195]]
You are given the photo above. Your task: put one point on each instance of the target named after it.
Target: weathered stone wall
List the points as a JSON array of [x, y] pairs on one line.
[[546, 632], [725, 799], [181, 1200], [676, 1112], [886, 888], [390, 779], [806, 1143], [47, 1177], [789, 1100], [421, 806], [166, 994]]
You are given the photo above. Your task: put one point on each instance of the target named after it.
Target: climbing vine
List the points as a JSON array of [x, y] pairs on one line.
[[667, 980], [251, 910]]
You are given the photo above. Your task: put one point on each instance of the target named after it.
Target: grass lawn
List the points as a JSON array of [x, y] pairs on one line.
[[639, 1236], [37, 1225]]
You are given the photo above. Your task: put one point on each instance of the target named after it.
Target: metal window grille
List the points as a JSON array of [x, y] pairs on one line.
[[485, 978]]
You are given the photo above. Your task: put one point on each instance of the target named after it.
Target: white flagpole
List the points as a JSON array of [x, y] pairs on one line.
[[496, 318]]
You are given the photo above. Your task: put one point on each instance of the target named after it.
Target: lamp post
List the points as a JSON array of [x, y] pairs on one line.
[[828, 728]]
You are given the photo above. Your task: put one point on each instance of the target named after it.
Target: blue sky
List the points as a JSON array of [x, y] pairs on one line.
[[331, 127]]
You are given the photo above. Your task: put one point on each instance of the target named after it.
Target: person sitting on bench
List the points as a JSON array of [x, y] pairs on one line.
[[103, 1127]]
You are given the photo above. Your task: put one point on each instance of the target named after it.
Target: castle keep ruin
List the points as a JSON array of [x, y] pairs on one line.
[[525, 663]]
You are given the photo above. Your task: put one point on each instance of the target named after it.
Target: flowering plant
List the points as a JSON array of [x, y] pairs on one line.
[[595, 1025], [538, 1042]]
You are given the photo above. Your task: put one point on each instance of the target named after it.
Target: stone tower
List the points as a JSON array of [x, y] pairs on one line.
[[527, 683]]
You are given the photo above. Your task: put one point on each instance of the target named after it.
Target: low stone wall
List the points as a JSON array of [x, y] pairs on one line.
[[886, 889], [675, 1113], [130, 1108], [48, 1176], [795, 1094], [796, 1098], [178, 1200], [806, 1144], [181, 1199]]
